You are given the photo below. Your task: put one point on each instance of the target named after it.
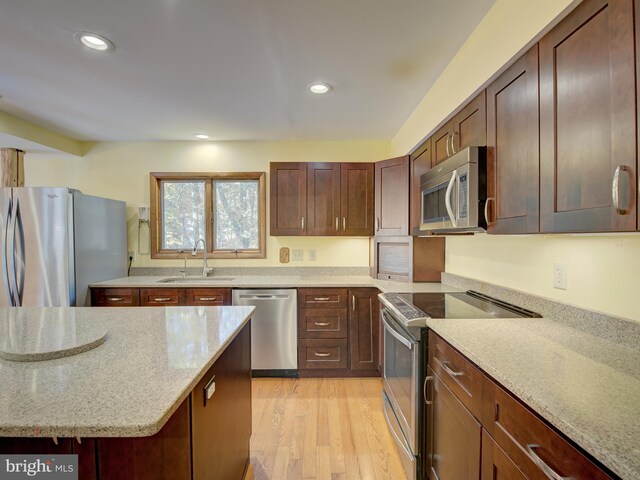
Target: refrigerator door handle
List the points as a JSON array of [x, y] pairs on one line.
[[19, 279], [7, 254]]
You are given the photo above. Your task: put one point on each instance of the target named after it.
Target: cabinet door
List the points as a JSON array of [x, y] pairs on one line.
[[288, 198], [356, 202], [496, 464], [392, 197], [441, 143], [323, 199], [470, 125], [420, 162], [453, 436], [513, 158], [588, 120], [363, 328], [221, 414]]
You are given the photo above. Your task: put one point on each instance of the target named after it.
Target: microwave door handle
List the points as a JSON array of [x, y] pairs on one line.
[[447, 198]]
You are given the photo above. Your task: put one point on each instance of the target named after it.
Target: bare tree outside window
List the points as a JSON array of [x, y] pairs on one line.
[[235, 210], [182, 214], [226, 209]]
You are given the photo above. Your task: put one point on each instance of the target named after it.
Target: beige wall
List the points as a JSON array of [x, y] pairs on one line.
[[121, 171], [602, 270]]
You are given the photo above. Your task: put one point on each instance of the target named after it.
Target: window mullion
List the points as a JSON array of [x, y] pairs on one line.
[[209, 213]]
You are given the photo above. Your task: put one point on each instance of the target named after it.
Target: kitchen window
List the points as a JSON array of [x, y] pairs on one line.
[[227, 210]]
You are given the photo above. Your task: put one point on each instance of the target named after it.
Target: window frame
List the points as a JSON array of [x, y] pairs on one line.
[[155, 218]]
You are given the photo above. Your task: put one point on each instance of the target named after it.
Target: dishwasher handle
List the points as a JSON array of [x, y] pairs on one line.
[[263, 297]]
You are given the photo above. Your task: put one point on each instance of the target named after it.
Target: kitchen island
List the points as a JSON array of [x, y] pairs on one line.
[[167, 393]]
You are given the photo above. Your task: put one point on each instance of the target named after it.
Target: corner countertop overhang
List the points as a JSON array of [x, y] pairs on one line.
[[127, 387], [585, 385]]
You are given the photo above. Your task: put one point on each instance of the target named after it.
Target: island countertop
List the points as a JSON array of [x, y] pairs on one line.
[[127, 387], [586, 385]]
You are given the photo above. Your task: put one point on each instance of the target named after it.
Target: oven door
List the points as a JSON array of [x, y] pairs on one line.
[[446, 201], [400, 377]]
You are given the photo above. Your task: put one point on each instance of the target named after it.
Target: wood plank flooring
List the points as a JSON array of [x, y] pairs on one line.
[[325, 428]]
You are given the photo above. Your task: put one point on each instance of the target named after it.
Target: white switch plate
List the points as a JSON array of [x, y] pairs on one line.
[[312, 255], [297, 254], [560, 276]]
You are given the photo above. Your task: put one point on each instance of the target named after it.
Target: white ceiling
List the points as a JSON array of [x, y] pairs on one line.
[[235, 69]]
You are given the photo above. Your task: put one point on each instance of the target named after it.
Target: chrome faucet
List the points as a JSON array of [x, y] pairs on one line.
[[205, 268]]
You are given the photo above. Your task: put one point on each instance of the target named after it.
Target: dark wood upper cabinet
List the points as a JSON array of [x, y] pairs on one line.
[[513, 154], [356, 203], [288, 198], [588, 120], [323, 199], [363, 328], [441, 143], [392, 197], [420, 162], [470, 125]]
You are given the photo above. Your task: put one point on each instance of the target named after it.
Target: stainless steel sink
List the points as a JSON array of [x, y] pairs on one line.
[[196, 279]]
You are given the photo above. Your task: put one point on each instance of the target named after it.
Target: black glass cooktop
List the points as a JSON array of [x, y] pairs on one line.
[[417, 307]]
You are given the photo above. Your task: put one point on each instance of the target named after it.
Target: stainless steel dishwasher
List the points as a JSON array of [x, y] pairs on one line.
[[274, 337]]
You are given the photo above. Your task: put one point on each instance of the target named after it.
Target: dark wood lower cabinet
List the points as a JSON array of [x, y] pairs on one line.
[[338, 332], [454, 436], [201, 440], [160, 297], [496, 464]]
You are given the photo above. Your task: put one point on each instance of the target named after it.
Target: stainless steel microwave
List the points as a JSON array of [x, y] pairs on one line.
[[454, 192]]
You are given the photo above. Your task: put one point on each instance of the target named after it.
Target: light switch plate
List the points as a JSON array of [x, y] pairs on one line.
[[297, 254], [312, 255], [560, 276]]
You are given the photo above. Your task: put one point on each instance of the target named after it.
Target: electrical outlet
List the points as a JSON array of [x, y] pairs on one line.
[[132, 255], [312, 255], [297, 255], [560, 276]]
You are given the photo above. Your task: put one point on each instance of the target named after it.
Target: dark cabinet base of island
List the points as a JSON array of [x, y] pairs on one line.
[[204, 439]]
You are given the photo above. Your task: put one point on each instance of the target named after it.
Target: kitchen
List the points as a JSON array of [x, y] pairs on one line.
[[593, 273]]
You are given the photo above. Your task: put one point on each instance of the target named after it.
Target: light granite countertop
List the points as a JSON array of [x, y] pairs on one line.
[[585, 385], [278, 281], [127, 387]]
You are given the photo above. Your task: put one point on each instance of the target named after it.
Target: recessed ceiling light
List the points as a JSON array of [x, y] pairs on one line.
[[201, 136], [320, 88], [94, 41]]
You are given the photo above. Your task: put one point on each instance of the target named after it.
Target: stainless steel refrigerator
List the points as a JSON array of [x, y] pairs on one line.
[[55, 242]]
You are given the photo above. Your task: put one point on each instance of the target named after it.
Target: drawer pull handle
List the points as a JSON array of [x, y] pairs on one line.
[[115, 299], [322, 324], [546, 469], [450, 371], [321, 354], [322, 299], [208, 299], [162, 299], [424, 389]]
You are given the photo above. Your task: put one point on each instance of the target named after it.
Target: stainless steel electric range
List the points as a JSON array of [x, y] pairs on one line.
[[404, 318]]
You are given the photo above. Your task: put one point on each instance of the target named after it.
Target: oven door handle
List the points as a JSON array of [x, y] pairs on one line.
[[397, 335], [447, 198]]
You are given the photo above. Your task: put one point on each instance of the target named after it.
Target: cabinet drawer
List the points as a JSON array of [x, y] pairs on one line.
[[161, 296], [322, 297], [115, 297], [322, 354], [322, 323], [459, 374], [531, 443], [496, 465], [208, 296]]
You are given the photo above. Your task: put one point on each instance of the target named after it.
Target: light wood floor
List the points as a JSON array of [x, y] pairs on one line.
[[330, 429]]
